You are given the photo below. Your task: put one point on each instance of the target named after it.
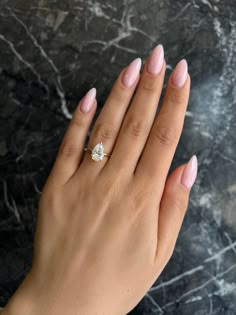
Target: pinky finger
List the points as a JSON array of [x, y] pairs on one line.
[[71, 149], [173, 206]]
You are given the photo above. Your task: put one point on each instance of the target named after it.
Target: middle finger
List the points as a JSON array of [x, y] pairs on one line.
[[140, 116]]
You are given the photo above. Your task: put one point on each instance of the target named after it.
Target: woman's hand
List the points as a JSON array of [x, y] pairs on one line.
[[106, 229]]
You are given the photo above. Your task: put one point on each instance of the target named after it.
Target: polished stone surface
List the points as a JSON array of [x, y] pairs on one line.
[[51, 53]]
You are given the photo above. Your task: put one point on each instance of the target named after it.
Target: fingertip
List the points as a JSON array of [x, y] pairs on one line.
[[175, 177]]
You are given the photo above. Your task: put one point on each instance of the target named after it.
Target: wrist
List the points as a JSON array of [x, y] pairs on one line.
[[22, 301], [25, 301]]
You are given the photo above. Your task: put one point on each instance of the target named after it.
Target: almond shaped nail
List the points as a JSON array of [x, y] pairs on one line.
[[131, 73], [180, 73], [156, 60], [190, 172], [88, 100]]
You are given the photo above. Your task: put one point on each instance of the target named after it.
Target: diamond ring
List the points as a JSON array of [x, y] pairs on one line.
[[97, 153]]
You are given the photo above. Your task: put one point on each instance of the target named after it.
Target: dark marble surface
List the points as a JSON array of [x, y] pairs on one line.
[[51, 53]]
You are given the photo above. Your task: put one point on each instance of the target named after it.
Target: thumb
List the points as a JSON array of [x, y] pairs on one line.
[[173, 206]]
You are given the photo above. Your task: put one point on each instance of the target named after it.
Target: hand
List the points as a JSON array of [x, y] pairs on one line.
[[106, 229]]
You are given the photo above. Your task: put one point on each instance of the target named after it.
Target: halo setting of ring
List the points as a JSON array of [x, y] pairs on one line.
[[98, 152]]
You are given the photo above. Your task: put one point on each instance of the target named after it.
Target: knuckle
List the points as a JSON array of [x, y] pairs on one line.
[[67, 150], [77, 121], [149, 85], [136, 127], [166, 136], [175, 97], [179, 204], [117, 97], [103, 132]]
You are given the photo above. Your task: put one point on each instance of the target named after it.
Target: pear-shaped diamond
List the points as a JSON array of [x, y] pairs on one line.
[[98, 152]]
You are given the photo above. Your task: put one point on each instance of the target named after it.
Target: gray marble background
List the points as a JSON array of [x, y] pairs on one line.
[[51, 53]]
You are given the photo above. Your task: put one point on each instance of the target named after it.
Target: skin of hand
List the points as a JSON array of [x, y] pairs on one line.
[[106, 229]]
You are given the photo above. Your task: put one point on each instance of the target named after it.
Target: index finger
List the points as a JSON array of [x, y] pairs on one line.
[[164, 136]]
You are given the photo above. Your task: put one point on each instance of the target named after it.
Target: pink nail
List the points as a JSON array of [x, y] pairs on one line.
[[131, 73], [156, 60], [88, 100], [180, 73], [190, 173]]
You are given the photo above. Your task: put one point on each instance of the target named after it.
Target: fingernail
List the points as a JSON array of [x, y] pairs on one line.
[[156, 60], [131, 73], [88, 100], [190, 173], [180, 73]]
